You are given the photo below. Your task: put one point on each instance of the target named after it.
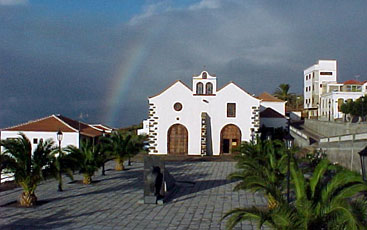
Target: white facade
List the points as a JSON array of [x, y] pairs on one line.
[[324, 72], [203, 112], [277, 106], [69, 138], [331, 102], [324, 95], [145, 129]]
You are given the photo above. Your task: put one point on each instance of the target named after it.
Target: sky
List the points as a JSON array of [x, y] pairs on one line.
[[98, 61]]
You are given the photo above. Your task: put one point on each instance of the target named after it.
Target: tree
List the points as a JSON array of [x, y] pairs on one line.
[[4, 161], [27, 167], [60, 163], [135, 145], [282, 92], [119, 148], [87, 158], [104, 149], [263, 167], [321, 202], [355, 108]]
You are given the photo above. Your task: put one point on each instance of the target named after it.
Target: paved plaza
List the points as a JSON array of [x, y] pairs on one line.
[[112, 202]]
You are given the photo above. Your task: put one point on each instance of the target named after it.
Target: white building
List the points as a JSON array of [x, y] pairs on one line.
[[269, 101], [323, 95], [145, 129], [315, 78], [47, 127], [203, 120]]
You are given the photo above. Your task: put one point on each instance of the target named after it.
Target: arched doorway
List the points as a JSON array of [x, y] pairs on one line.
[[230, 138], [177, 140]]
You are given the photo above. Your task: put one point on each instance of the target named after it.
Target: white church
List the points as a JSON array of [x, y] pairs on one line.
[[203, 120]]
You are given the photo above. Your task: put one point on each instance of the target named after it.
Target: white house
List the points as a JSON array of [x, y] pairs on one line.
[[269, 101], [315, 78], [324, 95], [47, 127], [145, 129], [202, 120]]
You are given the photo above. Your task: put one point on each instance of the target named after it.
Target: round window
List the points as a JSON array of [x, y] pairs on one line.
[[177, 106]]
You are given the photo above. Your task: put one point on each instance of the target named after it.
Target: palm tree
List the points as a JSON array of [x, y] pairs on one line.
[[27, 167], [4, 161], [282, 92], [135, 145], [104, 149], [262, 167], [321, 202], [87, 158], [61, 163], [119, 147]]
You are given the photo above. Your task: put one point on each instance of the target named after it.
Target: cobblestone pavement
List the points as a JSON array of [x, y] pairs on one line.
[[111, 202]]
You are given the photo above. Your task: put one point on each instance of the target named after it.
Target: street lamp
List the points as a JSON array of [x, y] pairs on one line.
[[363, 156], [103, 170], [59, 138], [289, 144]]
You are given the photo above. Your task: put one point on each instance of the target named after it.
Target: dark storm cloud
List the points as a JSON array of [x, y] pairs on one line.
[[56, 63]]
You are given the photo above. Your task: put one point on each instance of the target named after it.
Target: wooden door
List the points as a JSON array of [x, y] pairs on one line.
[[230, 138], [177, 140]]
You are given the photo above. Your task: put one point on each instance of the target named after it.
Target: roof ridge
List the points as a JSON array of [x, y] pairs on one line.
[[28, 122], [65, 123], [170, 87], [232, 82]]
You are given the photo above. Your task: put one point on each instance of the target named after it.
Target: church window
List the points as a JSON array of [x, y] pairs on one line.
[[231, 109], [177, 106], [209, 88], [199, 88], [204, 75]]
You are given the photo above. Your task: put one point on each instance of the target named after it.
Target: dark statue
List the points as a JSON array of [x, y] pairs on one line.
[[158, 183]]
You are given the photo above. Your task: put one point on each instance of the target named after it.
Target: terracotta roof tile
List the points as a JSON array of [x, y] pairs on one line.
[[47, 124], [353, 82], [54, 123], [265, 96]]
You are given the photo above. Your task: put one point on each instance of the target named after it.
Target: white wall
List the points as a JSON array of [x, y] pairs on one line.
[[277, 106], [333, 98], [145, 129], [69, 138], [313, 83], [190, 115]]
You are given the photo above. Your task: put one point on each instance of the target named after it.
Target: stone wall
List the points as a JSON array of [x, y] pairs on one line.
[[329, 129], [345, 152]]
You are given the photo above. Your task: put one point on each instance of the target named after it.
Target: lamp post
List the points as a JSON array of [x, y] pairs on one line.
[[363, 156], [103, 170], [59, 138], [289, 144]]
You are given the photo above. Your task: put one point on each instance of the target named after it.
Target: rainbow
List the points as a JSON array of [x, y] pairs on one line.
[[127, 72]]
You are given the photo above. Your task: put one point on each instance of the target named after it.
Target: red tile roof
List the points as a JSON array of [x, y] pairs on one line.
[[353, 82], [54, 123], [265, 96]]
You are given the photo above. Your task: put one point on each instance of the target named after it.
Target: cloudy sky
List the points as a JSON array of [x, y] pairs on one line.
[[101, 59]]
